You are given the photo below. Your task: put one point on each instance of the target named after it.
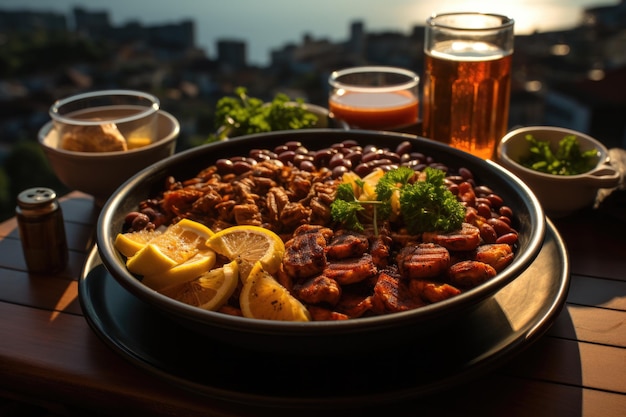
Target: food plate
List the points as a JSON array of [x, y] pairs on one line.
[[370, 333], [497, 329]]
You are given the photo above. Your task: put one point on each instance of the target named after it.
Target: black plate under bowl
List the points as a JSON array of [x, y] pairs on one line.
[[489, 335], [368, 333]]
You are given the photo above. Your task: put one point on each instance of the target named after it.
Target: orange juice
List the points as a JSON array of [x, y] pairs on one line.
[[375, 110]]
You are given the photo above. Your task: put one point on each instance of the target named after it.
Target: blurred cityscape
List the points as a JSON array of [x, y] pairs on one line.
[[573, 78]]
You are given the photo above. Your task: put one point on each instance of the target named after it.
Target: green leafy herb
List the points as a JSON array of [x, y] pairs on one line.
[[429, 205], [426, 205], [242, 115], [392, 181], [567, 160]]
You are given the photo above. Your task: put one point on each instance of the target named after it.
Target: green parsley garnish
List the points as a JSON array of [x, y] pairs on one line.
[[567, 160], [424, 205], [242, 115]]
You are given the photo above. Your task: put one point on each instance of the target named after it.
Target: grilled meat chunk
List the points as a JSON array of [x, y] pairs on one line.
[[423, 260], [469, 274], [347, 244], [432, 292], [305, 253], [318, 290], [465, 239], [391, 294], [351, 270], [324, 314], [380, 249], [354, 305], [498, 255]]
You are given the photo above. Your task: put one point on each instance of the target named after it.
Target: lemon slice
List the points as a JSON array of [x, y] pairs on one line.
[[174, 246], [210, 291], [352, 178], [130, 243], [247, 245], [262, 297], [190, 269], [369, 185]]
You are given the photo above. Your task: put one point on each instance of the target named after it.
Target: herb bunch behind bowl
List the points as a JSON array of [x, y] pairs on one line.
[[243, 115]]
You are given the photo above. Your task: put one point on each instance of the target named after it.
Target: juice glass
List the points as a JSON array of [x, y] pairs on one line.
[[374, 97], [131, 113], [467, 78]]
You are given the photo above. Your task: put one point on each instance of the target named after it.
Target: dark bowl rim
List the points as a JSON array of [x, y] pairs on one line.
[[112, 260]]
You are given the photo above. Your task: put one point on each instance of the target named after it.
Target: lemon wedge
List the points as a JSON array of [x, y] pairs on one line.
[[262, 297], [247, 245], [192, 268], [210, 290], [131, 242], [178, 243], [369, 185]]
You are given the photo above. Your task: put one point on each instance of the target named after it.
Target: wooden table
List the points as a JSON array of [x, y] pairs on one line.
[[49, 355]]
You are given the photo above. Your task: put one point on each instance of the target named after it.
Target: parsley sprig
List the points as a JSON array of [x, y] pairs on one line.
[[425, 205], [242, 115], [567, 159]]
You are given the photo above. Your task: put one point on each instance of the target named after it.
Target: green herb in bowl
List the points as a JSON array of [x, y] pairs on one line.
[[243, 115], [568, 159]]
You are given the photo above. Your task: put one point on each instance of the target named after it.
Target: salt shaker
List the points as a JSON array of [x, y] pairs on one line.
[[40, 222]]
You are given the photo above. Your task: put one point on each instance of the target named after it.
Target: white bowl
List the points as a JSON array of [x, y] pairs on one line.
[[101, 173], [559, 195]]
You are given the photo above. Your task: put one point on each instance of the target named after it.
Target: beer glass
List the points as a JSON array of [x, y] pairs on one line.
[[467, 78]]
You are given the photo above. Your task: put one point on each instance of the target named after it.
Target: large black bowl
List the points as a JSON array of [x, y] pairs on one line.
[[332, 336]]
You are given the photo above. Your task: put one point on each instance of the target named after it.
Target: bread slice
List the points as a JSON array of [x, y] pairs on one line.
[[101, 138]]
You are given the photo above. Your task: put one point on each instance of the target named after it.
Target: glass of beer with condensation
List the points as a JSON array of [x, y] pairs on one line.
[[467, 80]]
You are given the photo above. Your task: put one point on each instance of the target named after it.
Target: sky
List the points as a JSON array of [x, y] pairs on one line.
[[270, 24]]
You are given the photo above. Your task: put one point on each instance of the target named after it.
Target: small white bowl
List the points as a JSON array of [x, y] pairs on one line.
[[559, 195], [101, 173]]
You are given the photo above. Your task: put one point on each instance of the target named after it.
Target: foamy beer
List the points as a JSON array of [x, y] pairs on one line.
[[467, 78]]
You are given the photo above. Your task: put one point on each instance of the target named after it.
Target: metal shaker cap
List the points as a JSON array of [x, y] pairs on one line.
[[36, 197]]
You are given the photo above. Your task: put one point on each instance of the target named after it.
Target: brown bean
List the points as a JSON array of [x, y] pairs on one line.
[[323, 156], [457, 179], [224, 165], [293, 145], [484, 210], [483, 190], [505, 219], [362, 170], [240, 167], [286, 156], [140, 221], [336, 160], [496, 200], [339, 170], [500, 227], [371, 156], [404, 147], [307, 166], [466, 173], [508, 238], [506, 211], [488, 233]]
